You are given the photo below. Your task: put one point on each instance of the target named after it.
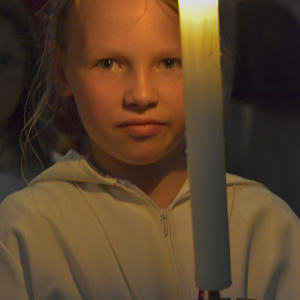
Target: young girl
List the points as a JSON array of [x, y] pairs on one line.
[[116, 223]]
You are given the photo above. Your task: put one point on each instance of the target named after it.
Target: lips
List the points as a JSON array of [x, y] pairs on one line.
[[139, 122], [142, 128]]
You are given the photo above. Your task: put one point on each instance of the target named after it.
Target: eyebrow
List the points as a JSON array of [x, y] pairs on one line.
[[108, 50], [114, 52]]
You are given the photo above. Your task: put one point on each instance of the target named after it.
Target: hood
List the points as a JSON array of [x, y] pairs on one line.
[[74, 167]]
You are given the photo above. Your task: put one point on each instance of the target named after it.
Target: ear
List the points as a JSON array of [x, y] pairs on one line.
[[61, 83]]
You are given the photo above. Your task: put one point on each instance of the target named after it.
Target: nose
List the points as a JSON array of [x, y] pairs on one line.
[[142, 93]]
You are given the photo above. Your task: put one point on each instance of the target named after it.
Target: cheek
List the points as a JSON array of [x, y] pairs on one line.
[[96, 103], [175, 96], [179, 107]]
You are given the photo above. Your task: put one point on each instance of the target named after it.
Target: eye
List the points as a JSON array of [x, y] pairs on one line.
[[171, 63], [5, 60], [108, 64]]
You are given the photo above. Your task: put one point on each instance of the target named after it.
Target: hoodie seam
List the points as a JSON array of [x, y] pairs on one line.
[[129, 282]]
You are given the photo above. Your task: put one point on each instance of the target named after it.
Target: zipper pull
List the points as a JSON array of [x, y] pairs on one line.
[[164, 220]]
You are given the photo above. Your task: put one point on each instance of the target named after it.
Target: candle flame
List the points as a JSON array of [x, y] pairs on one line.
[[193, 8], [196, 4]]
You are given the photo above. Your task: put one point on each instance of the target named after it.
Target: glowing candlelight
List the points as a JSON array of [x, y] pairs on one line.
[[201, 54]]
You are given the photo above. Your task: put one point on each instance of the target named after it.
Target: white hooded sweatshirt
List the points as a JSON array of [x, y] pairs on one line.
[[76, 234]]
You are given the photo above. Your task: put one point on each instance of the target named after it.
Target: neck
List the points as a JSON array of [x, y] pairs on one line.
[[161, 181]]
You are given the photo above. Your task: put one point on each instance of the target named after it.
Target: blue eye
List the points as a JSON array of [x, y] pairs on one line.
[[5, 60], [170, 63], [108, 63]]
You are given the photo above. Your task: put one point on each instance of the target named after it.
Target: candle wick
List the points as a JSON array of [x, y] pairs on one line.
[[214, 295], [201, 295]]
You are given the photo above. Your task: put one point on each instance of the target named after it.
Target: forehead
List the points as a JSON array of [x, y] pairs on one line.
[[109, 19], [111, 10]]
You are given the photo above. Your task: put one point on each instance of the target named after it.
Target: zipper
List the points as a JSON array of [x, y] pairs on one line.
[[166, 231], [164, 221]]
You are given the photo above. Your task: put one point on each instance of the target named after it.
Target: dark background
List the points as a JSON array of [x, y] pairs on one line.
[[262, 112]]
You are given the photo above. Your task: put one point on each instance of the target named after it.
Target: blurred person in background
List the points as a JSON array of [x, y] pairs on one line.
[[18, 52]]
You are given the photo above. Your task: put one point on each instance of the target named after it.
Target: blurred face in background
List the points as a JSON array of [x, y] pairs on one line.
[[12, 69]]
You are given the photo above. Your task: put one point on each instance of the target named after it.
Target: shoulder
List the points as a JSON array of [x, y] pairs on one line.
[[55, 189], [264, 240], [256, 211], [252, 196], [34, 194], [38, 207]]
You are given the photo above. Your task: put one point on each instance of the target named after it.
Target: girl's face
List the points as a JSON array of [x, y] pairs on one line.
[[122, 64], [12, 69]]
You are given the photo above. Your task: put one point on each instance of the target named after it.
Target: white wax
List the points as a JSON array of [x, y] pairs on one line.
[[200, 38]]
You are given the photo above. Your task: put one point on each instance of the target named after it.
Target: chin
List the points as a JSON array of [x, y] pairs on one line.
[[140, 158]]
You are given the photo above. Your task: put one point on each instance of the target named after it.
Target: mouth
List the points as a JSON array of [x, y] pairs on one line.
[[142, 128], [140, 122]]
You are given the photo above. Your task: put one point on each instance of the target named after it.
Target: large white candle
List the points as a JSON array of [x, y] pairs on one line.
[[201, 54]]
